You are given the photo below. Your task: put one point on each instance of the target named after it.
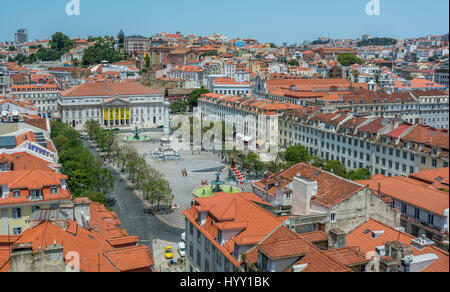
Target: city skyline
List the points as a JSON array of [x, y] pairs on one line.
[[349, 16]]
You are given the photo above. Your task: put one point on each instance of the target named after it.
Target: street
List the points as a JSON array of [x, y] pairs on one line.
[[136, 218]]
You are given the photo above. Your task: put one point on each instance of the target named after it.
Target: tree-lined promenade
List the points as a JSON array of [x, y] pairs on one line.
[[127, 159], [87, 176]]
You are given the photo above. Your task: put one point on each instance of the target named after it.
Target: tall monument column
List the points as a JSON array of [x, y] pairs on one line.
[[166, 118]]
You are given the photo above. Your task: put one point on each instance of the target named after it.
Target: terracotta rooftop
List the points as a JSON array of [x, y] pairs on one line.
[[331, 189], [410, 191], [367, 243], [111, 89], [238, 211]]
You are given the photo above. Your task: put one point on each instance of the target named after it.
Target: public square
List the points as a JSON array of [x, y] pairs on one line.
[[199, 165]]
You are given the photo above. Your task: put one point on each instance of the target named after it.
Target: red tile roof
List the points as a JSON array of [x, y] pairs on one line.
[[99, 250], [331, 189], [429, 136], [410, 191], [349, 256], [235, 210], [373, 127], [367, 244], [109, 89]]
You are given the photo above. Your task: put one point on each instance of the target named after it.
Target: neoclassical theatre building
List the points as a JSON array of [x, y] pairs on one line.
[[114, 105]]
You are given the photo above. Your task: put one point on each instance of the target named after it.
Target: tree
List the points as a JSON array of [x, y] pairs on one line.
[[157, 191], [60, 142], [316, 161], [147, 61], [85, 172], [11, 48], [60, 42], [97, 197], [179, 106], [336, 167], [102, 179], [359, 174], [121, 37], [293, 63], [296, 154], [377, 77], [195, 95], [348, 59], [377, 42], [99, 52], [355, 74]]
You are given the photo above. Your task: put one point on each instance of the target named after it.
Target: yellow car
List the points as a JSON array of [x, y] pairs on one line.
[[169, 252]]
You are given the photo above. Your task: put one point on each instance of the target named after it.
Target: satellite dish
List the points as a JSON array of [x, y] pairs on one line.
[[15, 113], [4, 113], [287, 222]]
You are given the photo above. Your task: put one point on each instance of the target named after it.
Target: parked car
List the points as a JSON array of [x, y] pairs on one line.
[[168, 253], [182, 249]]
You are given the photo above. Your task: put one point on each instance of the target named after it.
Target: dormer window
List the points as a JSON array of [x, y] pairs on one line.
[[16, 193], [54, 190], [35, 195], [219, 236]]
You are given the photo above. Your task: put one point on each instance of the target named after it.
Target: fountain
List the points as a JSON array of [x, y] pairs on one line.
[[217, 186], [136, 137]]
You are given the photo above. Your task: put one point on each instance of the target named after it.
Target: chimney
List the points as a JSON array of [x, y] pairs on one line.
[[303, 191], [337, 238], [82, 212]]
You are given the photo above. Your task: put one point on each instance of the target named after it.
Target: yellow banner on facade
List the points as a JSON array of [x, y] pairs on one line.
[[128, 113], [106, 114], [111, 114], [122, 114], [117, 116]]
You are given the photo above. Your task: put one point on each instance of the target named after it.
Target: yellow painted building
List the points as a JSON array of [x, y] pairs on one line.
[[26, 191], [14, 221]]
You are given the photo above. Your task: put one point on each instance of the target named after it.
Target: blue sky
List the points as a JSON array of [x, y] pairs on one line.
[[265, 20]]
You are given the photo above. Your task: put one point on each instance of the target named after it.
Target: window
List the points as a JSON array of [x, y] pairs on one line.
[[199, 259], [53, 190], [416, 213], [35, 194], [219, 258], [35, 208], [206, 266], [16, 193], [199, 236], [219, 236], [191, 228], [191, 250], [430, 219], [424, 159], [333, 217], [17, 213], [17, 230], [404, 208], [207, 246], [434, 163]]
